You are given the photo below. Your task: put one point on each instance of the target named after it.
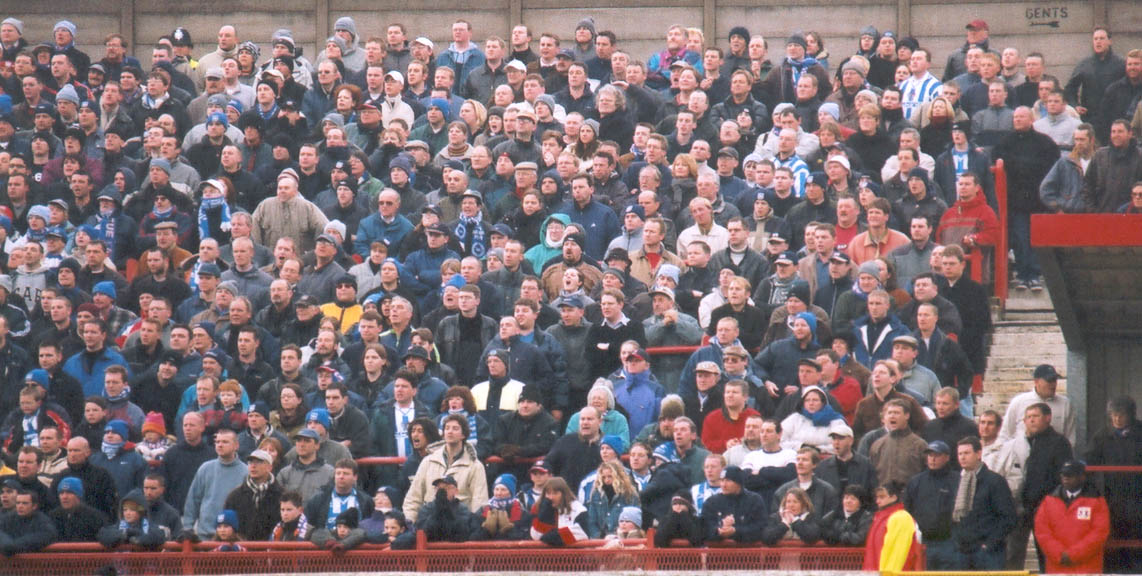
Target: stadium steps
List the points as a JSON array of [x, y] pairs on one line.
[[1026, 336]]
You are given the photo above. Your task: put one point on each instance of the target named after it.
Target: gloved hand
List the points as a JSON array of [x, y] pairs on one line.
[[491, 523], [552, 538], [509, 451], [546, 513]]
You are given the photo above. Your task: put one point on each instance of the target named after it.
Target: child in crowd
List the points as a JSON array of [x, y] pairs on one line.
[[155, 440], [226, 532], [293, 526]]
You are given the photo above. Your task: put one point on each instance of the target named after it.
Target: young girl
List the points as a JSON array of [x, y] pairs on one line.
[[629, 528], [559, 518], [155, 440], [611, 493], [503, 516], [226, 532]]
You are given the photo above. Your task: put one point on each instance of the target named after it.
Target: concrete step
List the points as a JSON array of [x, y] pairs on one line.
[[1013, 360]]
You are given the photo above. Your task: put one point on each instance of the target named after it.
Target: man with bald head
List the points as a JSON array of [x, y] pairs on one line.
[[227, 48], [1028, 156], [99, 487], [183, 459], [573, 456]]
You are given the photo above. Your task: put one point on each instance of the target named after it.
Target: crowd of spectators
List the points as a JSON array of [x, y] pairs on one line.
[[227, 279]]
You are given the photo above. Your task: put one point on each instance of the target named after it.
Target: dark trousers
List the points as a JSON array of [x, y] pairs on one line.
[[1026, 262]]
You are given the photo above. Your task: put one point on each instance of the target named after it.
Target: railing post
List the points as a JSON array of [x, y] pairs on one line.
[[651, 558], [421, 551], [1002, 242]]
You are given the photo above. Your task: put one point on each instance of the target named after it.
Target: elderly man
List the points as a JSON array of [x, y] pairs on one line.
[[288, 214]]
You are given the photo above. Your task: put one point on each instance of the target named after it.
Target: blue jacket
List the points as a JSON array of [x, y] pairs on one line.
[[712, 352], [315, 105], [126, 469], [91, 377], [868, 352], [778, 361], [599, 222], [462, 63], [424, 267], [373, 228], [640, 399], [603, 515]]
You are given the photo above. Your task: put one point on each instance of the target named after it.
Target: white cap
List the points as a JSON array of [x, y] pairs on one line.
[[395, 75], [425, 41]]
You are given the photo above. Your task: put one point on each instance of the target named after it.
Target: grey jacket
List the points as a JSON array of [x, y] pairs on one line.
[[1063, 186]]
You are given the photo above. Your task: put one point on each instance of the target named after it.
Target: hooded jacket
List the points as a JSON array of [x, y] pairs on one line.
[[466, 469]]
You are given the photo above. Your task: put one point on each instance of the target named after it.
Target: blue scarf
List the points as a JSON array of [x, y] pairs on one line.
[[105, 225], [268, 114], [111, 449], [146, 526], [800, 66], [471, 234], [162, 215], [471, 424], [209, 204], [339, 504], [823, 416]]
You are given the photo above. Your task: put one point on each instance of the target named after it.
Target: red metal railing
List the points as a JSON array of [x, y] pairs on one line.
[[266, 557], [1001, 247]]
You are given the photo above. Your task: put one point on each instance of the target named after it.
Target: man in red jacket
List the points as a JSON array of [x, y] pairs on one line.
[[970, 222], [1072, 524], [723, 429]]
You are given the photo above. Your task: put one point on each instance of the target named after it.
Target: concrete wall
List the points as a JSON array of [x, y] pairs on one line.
[[1058, 29]]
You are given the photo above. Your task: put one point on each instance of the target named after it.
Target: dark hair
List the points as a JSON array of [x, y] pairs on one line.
[[972, 441], [293, 497], [1042, 407], [459, 419]]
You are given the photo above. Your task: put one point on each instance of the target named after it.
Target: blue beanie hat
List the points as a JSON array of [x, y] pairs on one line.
[[229, 518], [508, 480], [443, 105], [71, 484], [119, 427], [39, 376], [321, 416], [105, 287], [220, 118], [615, 442]]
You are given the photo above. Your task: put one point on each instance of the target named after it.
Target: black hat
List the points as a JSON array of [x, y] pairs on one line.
[[415, 352], [1045, 372], [444, 480], [348, 184], [1073, 468], [181, 37], [739, 31], [432, 208], [349, 517], [734, 473], [347, 279], [532, 393]]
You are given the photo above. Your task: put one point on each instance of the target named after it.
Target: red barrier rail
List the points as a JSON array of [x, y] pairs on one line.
[[1001, 244], [268, 557]]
